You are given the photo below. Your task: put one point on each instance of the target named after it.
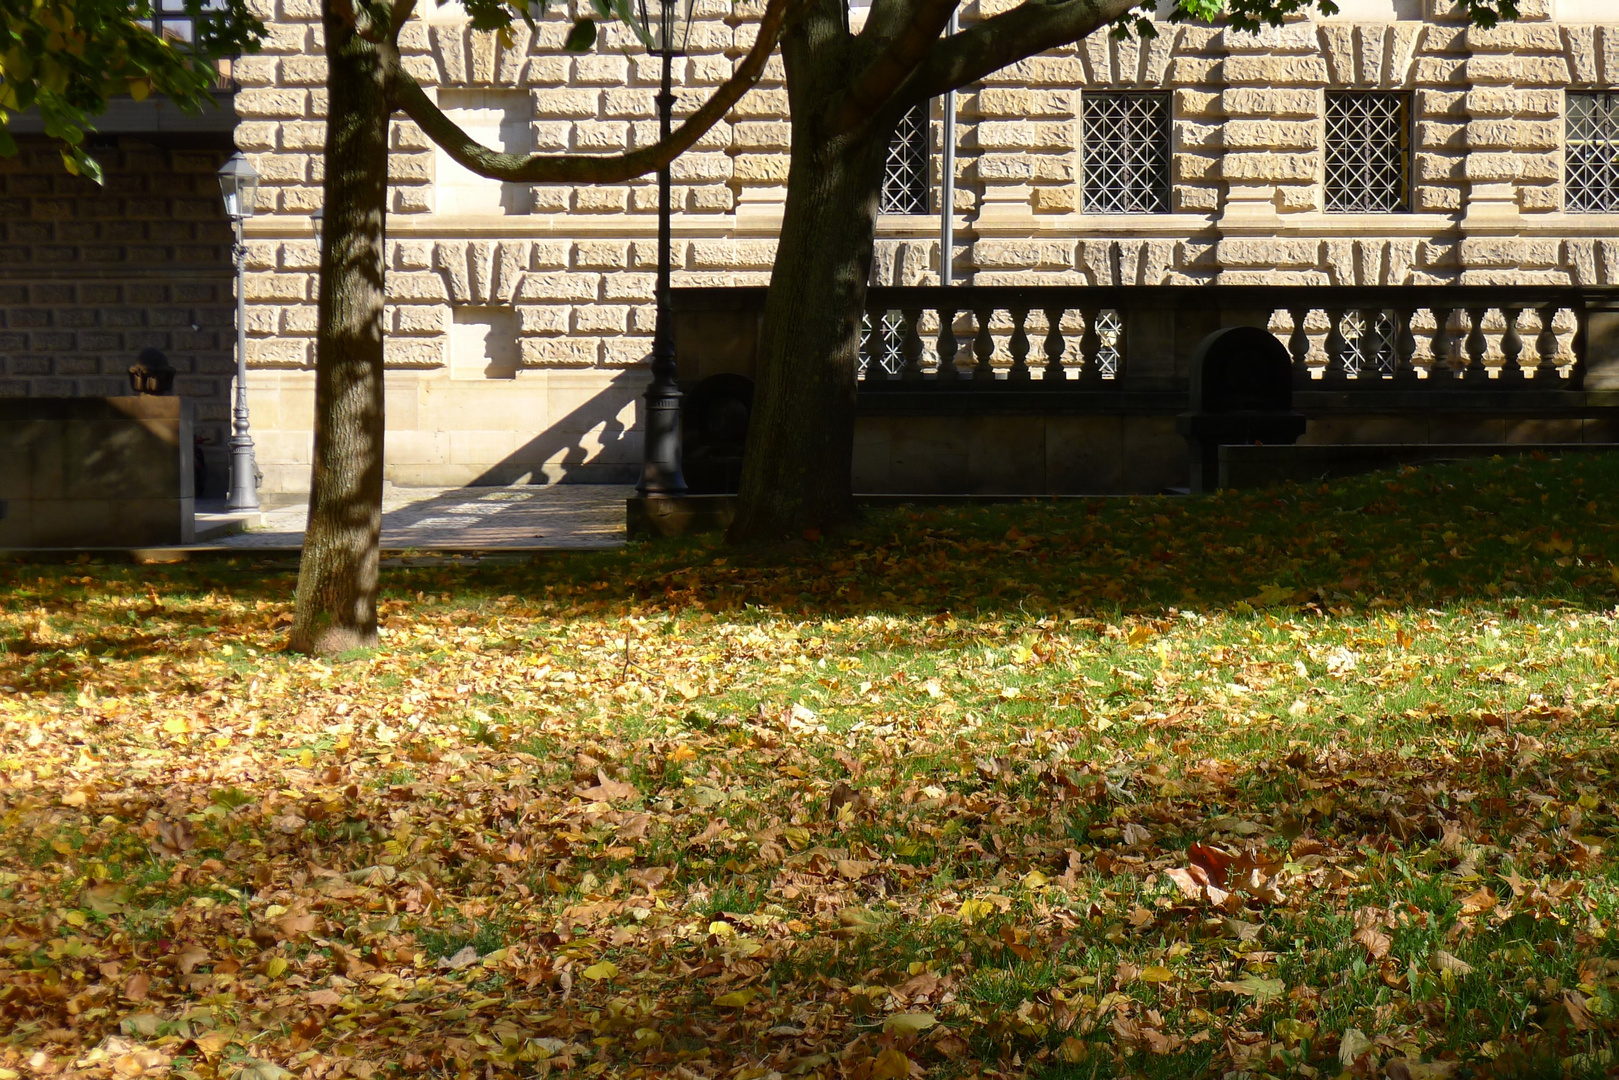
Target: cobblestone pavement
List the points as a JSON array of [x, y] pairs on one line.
[[551, 516]]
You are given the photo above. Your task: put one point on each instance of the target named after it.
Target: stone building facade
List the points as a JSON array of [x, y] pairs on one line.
[[90, 276], [520, 317]]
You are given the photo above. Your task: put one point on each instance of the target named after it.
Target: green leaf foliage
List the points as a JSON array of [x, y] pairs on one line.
[[67, 58], [1250, 15]]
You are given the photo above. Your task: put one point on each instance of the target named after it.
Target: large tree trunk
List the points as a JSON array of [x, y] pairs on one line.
[[337, 580], [796, 473]]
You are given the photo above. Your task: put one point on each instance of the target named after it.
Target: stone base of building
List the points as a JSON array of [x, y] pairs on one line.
[[539, 427]]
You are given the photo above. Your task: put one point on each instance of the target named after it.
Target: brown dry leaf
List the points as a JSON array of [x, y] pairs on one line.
[[1376, 943], [175, 838], [606, 790], [189, 957], [295, 925], [1444, 961], [136, 987], [1480, 901]]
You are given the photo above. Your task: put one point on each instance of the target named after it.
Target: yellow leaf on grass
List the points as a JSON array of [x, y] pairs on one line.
[[176, 725], [797, 837], [912, 1023], [277, 967], [1139, 635], [736, 999], [891, 1064], [973, 910], [1255, 987], [1156, 974], [606, 969]]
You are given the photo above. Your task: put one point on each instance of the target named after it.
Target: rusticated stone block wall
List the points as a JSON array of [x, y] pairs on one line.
[[569, 277]]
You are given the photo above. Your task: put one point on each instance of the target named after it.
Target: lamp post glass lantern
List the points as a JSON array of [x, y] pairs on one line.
[[667, 24], [239, 184]]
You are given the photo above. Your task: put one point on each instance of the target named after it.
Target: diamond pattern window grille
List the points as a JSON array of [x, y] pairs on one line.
[[1592, 183], [905, 171], [1124, 153], [1368, 152], [884, 345], [1109, 330], [1368, 349]]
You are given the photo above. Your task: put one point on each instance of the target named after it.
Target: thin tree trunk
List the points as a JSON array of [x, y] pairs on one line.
[[337, 581], [796, 473]]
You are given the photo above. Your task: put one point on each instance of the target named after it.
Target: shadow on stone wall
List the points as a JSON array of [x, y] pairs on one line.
[[588, 444]]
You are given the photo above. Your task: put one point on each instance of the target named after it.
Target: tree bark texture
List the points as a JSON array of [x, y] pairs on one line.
[[336, 608], [846, 94], [800, 449]]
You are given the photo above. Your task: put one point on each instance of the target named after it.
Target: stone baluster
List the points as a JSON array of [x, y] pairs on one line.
[[1546, 346], [983, 345], [1405, 346], [911, 345], [1337, 348], [1298, 346], [1090, 344], [1440, 368], [1054, 345], [948, 372], [1511, 346], [1019, 347], [1476, 346]]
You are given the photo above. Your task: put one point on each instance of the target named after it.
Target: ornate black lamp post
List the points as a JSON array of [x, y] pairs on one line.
[[668, 24], [239, 183]]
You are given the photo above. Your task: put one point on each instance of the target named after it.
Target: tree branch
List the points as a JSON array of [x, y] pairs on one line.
[[588, 168], [402, 10], [1030, 28], [872, 88]]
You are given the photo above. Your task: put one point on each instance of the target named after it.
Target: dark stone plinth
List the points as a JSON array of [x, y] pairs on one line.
[[96, 472], [1241, 392]]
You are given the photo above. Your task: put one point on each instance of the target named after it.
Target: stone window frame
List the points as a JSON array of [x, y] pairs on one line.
[[1163, 187], [909, 159], [1408, 165], [1612, 195]]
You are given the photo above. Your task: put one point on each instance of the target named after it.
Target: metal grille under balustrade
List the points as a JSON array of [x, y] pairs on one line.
[[1475, 336], [893, 338]]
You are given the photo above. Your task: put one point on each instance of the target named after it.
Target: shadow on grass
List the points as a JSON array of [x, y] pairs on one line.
[[1502, 531]]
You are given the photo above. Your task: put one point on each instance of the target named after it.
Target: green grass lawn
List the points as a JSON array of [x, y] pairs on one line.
[[1296, 783]]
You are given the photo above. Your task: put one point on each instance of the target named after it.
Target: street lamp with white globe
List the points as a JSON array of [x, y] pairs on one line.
[[239, 184], [668, 26]]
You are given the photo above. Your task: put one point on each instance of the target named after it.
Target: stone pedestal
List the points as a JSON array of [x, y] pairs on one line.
[[96, 472]]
